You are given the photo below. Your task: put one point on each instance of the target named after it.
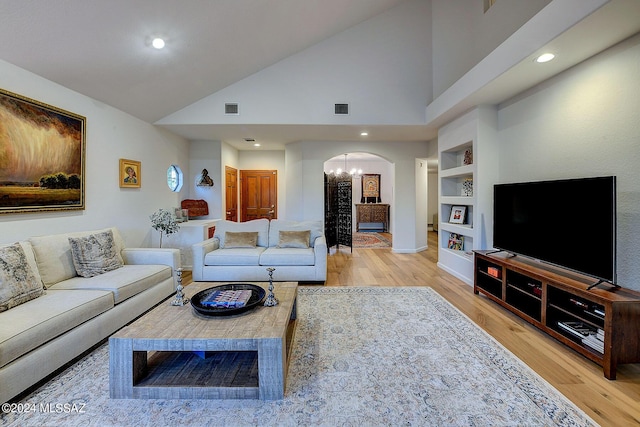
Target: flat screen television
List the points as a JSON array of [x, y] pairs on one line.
[[570, 223]]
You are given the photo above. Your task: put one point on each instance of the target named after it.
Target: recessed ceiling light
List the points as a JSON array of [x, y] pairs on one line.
[[545, 57], [256, 145], [158, 43], [364, 133]]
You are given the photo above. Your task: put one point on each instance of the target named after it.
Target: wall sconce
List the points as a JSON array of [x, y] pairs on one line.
[[205, 179]]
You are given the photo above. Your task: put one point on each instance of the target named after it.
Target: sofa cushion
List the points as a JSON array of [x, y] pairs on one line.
[[287, 256], [294, 239], [18, 283], [124, 282], [246, 256], [240, 239], [53, 254], [94, 254], [260, 225], [30, 256], [277, 225], [32, 324]]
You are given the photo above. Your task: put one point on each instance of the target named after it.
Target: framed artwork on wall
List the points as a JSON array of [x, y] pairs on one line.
[[457, 214], [370, 188], [42, 156], [130, 176]]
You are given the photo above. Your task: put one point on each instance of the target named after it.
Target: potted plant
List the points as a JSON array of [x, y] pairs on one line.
[[164, 221]]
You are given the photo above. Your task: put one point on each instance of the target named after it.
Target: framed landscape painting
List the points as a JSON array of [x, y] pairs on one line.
[[42, 156]]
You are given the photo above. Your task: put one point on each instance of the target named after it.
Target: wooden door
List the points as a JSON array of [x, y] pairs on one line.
[[258, 194], [231, 193]]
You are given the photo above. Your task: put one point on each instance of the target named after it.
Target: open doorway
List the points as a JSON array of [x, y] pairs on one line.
[[370, 200]]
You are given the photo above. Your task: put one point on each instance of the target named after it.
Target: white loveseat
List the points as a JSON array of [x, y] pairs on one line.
[[74, 313], [216, 260]]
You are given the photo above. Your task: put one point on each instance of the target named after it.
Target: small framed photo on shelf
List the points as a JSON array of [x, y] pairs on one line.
[[457, 214], [456, 241]]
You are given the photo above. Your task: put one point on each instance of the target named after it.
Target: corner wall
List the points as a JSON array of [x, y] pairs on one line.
[[110, 135], [583, 122], [304, 163]]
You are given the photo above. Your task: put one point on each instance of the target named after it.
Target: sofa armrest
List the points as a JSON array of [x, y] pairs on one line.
[[158, 256], [320, 252], [199, 251]]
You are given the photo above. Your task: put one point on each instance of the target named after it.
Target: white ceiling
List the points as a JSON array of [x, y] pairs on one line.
[[100, 48]]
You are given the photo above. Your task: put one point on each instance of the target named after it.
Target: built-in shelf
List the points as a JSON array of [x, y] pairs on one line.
[[464, 181]]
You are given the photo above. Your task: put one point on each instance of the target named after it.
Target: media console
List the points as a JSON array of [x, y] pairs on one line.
[[602, 323]]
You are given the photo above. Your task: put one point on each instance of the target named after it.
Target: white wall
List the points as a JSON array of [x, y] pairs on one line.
[[304, 162], [110, 135], [381, 67], [584, 122], [463, 34], [206, 155]]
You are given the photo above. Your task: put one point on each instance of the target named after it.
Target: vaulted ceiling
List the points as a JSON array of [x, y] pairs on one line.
[[101, 49]]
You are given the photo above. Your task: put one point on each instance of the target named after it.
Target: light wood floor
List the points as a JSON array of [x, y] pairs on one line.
[[609, 403]]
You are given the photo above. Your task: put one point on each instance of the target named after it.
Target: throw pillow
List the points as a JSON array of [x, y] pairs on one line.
[[18, 283], [240, 239], [294, 239], [94, 254]]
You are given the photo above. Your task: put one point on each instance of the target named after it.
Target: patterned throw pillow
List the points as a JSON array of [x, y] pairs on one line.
[[240, 239], [18, 283], [94, 254], [294, 239]]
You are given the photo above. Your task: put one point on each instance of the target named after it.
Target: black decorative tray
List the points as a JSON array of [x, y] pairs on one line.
[[257, 296]]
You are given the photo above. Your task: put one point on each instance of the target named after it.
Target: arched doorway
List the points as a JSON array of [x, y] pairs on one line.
[[358, 168]]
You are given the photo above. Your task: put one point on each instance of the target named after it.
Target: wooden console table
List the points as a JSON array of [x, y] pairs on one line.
[[368, 215], [553, 299]]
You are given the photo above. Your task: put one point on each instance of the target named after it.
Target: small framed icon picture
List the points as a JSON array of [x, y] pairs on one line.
[[457, 214], [130, 173]]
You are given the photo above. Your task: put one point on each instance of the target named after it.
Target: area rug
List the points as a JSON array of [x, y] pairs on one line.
[[370, 240], [360, 357]]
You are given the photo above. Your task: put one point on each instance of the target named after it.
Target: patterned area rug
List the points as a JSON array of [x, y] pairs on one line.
[[369, 241], [361, 357]]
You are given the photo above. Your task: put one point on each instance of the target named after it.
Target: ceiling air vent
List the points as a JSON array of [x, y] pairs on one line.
[[231, 108], [341, 109]]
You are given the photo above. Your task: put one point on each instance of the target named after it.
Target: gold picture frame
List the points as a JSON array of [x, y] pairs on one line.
[[42, 156], [129, 173], [370, 185]]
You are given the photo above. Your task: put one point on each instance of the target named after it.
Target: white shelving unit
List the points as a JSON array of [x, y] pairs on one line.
[[468, 158]]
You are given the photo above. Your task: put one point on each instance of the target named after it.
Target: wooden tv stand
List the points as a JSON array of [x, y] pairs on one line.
[[550, 298]]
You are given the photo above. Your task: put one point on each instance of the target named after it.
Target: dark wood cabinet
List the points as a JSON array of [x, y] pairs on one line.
[[602, 323], [372, 216]]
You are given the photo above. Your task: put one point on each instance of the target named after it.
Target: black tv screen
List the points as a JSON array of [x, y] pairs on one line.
[[570, 223]]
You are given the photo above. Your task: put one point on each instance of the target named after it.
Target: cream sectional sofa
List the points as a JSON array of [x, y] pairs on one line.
[[216, 260], [75, 313]]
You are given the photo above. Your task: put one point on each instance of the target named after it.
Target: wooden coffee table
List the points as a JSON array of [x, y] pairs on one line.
[[174, 353]]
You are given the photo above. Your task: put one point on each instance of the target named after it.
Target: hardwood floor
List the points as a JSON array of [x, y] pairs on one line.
[[609, 403]]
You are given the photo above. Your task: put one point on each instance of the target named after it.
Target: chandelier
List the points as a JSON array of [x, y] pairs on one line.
[[355, 173]]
